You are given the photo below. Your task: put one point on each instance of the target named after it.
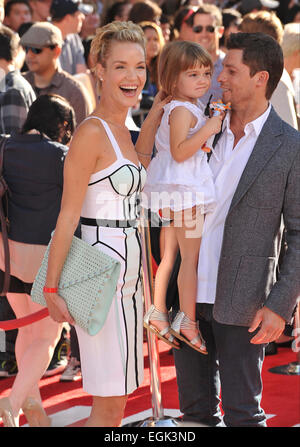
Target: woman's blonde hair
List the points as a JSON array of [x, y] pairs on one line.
[[180, 56], [146, 24], [114, 32], [291, 39], [265, 22]]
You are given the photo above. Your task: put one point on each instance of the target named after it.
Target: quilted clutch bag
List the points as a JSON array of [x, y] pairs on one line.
[[87, 283]]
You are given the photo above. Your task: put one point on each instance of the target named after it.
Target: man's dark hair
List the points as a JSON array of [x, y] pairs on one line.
[[261, 53], [9, 43], [53, 116], [11, 3], [146, 10]]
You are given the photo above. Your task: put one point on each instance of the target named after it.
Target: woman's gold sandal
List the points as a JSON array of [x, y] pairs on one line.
[[154, 314]]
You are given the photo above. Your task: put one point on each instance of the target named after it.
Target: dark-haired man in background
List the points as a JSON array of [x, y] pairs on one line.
[[16, 94], [240, 305], [17, 12], [68, 16]]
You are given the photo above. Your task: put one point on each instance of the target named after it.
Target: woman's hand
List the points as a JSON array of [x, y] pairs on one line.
[[57, 307], [157, 109], [145, 142]]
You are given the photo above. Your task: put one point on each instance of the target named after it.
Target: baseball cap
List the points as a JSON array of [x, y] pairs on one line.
[[249, 5], [42, 34], [60, 8]]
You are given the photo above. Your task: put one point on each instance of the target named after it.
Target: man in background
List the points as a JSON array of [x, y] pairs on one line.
[[40, 10], [68, 16], [42, 43], [16, 13], [16, 94], [257, 5]]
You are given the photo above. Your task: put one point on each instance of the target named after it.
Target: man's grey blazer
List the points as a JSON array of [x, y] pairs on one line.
[[269, 190]]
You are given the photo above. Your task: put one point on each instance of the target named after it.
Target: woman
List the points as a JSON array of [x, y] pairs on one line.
[[154, 45], [103, 178], [33, 169]]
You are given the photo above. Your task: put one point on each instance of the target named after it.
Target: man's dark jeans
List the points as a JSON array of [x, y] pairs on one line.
[[233, 364]]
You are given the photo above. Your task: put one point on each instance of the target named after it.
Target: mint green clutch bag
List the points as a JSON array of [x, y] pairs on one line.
[[88, 284]]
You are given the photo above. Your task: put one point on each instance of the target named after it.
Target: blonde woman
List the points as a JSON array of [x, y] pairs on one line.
[[103, 177]]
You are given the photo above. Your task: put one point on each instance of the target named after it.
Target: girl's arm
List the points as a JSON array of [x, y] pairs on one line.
[[145, 142], [181, 120], [80, 163]]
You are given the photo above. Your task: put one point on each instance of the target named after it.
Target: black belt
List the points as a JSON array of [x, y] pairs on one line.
[[111, 223]]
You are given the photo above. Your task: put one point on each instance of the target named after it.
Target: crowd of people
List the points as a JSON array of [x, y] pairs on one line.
[[123, 77]]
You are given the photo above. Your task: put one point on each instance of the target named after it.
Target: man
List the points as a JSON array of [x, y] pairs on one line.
[[207, 28], [68, 16], [240, 306], [16, 13], [283, 98], [40, 10], [42, 43], [257, 5], [16, 94]]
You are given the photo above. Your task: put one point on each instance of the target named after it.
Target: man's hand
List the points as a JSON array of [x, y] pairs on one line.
[[272, 325]]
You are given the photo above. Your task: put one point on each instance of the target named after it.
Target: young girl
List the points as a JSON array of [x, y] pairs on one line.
[[180, 186]]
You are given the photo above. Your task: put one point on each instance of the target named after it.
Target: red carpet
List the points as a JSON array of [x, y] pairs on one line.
[[281, 397]]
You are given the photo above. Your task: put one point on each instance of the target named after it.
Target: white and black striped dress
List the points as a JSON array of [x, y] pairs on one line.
[[112, 361]]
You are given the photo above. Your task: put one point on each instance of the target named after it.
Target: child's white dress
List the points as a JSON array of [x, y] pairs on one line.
[[176, 185]]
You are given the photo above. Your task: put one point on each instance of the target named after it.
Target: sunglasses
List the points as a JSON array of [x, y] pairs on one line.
[[37, 50], [199, 28]]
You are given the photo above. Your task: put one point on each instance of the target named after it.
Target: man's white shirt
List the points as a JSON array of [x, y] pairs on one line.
[[227, 165]]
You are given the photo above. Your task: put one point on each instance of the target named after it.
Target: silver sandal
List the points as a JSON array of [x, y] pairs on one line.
[[182, 321], [155, 314]]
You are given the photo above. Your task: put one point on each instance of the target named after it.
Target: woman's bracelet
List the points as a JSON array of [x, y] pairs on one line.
[[50, 289]]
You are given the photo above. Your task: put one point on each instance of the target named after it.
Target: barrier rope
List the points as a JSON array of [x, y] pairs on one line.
[[32, 318], [24, 321]]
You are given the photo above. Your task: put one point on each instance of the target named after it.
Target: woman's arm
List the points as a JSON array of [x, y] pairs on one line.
[[80, 163], [145, 142], [181, 120]]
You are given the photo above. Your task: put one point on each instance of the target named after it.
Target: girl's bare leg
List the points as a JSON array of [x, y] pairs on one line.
[[188, 273]]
